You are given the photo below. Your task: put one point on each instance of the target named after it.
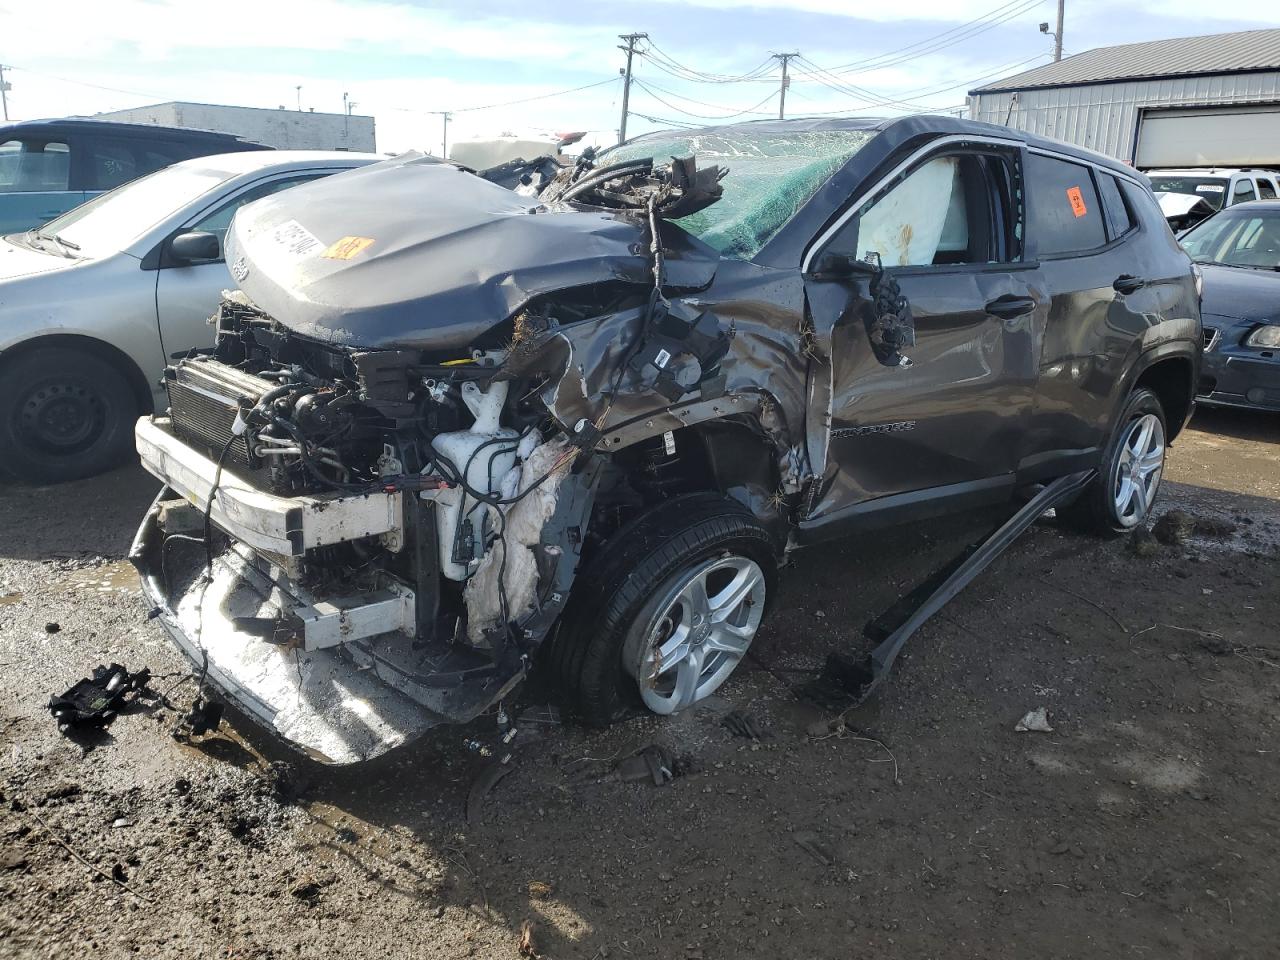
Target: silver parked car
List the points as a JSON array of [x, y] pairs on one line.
[[92, 304]]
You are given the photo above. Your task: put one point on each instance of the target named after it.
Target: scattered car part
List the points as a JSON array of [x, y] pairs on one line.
[[1035, 721], [92, 703], [204, 716], [850, 681], [743, 724], [653, 763]]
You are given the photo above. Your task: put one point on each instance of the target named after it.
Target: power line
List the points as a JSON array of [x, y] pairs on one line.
[[656, 55], [920, 92], [754, 108], [541, 96], [891, 56], [85, 83]]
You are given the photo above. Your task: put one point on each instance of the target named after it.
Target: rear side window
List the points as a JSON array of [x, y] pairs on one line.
[[1144, 207], [116, 161], [1065, 215], [1265, 189], [112, 163], [1243, 190], [1119, 222], [34, 166]]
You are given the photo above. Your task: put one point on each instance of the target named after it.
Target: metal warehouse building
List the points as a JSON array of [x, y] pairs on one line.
[[1193, 101], [283, 129]]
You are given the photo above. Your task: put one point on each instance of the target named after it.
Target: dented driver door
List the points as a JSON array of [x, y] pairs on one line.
[[937, 421]]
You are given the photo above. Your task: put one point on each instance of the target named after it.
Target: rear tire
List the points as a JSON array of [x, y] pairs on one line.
[[1120, 498], [643, 590], [64, 415]]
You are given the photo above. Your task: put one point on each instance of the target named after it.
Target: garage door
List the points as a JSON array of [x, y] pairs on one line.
[[1207, 136]]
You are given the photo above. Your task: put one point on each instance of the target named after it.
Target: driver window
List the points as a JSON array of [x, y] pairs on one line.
[[939, 214]]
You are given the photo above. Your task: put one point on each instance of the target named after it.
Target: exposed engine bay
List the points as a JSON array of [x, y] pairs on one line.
[[417, 514]]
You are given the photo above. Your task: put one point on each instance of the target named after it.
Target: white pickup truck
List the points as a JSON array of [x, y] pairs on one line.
[[1220, 186]]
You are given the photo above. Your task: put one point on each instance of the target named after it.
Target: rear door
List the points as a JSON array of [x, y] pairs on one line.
[[187, 294], [35, 181], [948, 229], [1103, 270]]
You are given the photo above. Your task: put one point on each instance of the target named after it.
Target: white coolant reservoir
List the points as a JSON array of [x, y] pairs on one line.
[[460, 518]]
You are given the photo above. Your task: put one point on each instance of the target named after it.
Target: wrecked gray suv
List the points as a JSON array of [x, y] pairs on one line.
[[452, 433]]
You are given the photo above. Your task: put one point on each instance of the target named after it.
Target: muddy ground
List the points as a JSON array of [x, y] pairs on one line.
[[1145, 825]]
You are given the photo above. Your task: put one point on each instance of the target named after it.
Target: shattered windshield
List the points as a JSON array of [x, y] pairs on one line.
[[770, 177]]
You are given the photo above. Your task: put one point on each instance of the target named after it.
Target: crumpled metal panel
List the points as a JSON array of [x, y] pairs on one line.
[[448, 255]]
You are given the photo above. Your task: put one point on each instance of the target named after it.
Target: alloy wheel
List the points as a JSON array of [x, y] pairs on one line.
[[702, 628], [1138, 469]]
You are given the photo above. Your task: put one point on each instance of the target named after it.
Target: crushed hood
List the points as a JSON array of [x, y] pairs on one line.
[[423, 255]]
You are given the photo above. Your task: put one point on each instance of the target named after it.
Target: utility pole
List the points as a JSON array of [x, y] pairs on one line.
[[4, 87], [298, 90], [1057, 37], [782, 93], [444, 139], [630, 50], [1056, 34]]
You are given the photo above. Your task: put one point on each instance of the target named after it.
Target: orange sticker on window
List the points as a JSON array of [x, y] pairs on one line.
[[1077, 201], [347, 247]]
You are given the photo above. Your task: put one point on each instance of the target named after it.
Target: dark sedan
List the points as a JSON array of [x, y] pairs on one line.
[[1239, 252]]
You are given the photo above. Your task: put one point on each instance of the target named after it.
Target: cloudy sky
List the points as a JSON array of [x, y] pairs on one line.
[[400, 61]]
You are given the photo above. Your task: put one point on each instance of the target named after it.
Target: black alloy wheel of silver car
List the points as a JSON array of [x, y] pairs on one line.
[[1128, 481], [665, 611], [64, 415]]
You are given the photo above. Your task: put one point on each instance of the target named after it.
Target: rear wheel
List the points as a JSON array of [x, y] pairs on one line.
[[1122, 495], [667, 612], [64, 415]]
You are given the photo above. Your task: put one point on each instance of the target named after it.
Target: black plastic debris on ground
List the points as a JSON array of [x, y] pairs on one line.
[[205, 716], [94, 702], [743, 724]]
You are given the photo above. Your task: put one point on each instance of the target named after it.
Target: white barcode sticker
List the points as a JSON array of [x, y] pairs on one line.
[[662, 359], [296, 239]]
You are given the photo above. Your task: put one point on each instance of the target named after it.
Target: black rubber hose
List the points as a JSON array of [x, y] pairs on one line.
[[597, 177]]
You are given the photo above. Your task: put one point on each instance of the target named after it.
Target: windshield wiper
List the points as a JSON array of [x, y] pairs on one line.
[[66, 245]]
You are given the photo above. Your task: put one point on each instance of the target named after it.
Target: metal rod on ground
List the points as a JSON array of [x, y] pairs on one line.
[[630, 49], [782, 93]]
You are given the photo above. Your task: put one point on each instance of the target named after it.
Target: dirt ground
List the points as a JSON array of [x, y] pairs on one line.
[[1144, 825]]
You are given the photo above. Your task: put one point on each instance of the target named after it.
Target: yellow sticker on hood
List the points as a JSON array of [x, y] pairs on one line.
[[347, 247]]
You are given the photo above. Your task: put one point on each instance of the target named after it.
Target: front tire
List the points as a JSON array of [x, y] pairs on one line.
[[667, 611], [64, 415], [1121, 497]]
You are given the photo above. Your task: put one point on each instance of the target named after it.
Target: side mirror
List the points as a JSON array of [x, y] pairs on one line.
[[841, 266], [195, 245]]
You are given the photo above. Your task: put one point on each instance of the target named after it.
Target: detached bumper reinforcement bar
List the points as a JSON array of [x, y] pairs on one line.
[[892, 629], [286, 526]]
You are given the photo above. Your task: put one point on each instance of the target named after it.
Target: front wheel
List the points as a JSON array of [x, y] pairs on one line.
[[1122, 495], [667, 612], [64, 415]]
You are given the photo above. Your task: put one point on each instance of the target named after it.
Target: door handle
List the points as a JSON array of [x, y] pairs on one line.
[[1010, 306], [1127, 284]]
